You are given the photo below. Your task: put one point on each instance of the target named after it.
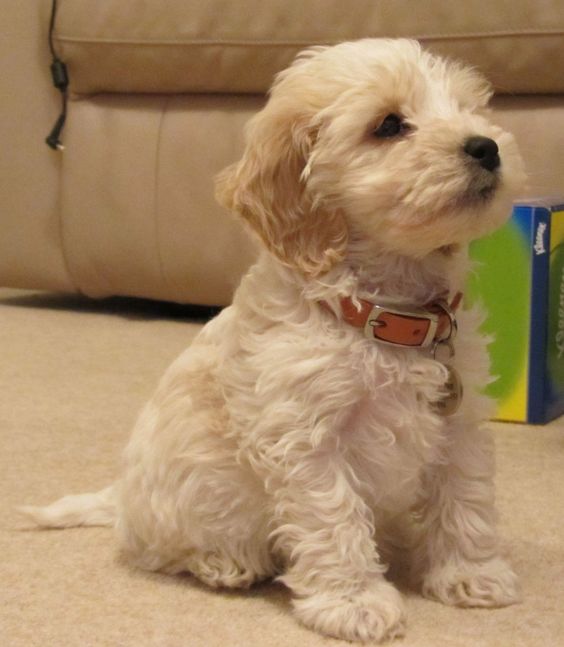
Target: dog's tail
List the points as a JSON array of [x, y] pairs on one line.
[[96, 509]]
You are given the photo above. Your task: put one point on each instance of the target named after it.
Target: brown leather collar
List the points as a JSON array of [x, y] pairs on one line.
[[402, 326]]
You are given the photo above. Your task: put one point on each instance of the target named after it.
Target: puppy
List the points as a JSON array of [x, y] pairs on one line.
[[325, 406]]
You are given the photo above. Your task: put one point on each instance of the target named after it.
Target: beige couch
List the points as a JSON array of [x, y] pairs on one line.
[[160, 92]]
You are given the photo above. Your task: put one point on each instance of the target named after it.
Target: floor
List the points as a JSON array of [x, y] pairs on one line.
[[73, 375]]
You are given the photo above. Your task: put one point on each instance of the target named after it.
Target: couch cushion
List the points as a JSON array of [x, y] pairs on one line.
[[227, 46], [138, 214]]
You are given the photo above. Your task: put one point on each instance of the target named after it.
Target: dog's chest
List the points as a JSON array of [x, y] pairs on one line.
[[394, 431], [397, 384]]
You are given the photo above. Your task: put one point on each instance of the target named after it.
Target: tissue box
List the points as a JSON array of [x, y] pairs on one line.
[[519, 277]]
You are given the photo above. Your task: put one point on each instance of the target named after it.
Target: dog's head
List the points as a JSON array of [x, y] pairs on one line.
[[374, 144]]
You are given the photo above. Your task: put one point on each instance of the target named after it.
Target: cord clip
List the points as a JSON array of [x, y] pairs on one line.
[[59, 74]]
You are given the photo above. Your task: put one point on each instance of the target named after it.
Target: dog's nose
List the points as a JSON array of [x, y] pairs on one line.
[[484, 150]]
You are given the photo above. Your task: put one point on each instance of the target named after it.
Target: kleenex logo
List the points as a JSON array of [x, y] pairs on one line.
[[539, 239]]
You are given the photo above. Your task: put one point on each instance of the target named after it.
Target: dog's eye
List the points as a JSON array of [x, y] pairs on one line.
[[392, 126]]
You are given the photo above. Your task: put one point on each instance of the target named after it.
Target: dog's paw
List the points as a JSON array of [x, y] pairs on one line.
[[374, 614], [473, 584]]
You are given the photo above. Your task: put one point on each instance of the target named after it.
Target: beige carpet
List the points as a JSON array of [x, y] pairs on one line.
[[73, 374]]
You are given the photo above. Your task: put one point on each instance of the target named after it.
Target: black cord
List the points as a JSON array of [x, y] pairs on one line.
[[60, 78], [52, 27]]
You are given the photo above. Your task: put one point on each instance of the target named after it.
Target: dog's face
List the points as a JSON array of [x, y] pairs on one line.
[[374, 144]]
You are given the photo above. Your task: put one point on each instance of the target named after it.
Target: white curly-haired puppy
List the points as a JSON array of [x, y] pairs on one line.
[[325, 404]]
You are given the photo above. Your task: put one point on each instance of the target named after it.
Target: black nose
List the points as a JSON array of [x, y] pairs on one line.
[[484, 150]]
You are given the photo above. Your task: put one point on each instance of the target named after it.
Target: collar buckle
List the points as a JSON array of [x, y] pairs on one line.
[[448, 335]]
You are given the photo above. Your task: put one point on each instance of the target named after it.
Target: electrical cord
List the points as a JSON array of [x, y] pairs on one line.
[[60, 78]]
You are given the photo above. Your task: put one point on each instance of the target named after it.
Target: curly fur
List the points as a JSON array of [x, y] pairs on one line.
[[283, 442]]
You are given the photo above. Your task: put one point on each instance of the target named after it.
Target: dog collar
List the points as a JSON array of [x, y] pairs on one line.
[[409, 327]]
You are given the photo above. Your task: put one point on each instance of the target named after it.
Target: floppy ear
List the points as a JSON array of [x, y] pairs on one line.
[[267, 188]]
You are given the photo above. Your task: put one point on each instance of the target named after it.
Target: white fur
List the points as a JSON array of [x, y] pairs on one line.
[[283, 442]]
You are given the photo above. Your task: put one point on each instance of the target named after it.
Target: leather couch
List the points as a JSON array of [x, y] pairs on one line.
[[159, 94]]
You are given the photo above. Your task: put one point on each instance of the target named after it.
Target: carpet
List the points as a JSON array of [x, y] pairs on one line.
[[73, 375]]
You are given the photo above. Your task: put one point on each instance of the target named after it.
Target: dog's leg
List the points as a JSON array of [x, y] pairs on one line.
[[186, 503], [325, 534], [216, 529], [457, 559]]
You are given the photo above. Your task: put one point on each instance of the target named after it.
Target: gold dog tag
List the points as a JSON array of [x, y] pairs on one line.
[[454, 392]]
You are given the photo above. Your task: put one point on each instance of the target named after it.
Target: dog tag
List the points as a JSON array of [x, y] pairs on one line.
[[454, 392]]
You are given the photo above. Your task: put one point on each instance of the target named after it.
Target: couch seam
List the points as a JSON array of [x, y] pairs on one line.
[[62, 226], [304, 42], [156, 210]]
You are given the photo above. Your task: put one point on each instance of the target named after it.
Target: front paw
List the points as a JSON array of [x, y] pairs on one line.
[[375, 614], [473, 584]]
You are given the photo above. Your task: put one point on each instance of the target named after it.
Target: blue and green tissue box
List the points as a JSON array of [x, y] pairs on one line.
[[519, 277]]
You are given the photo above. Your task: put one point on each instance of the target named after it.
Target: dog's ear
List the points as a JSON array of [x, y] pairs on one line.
[[267, 188]]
